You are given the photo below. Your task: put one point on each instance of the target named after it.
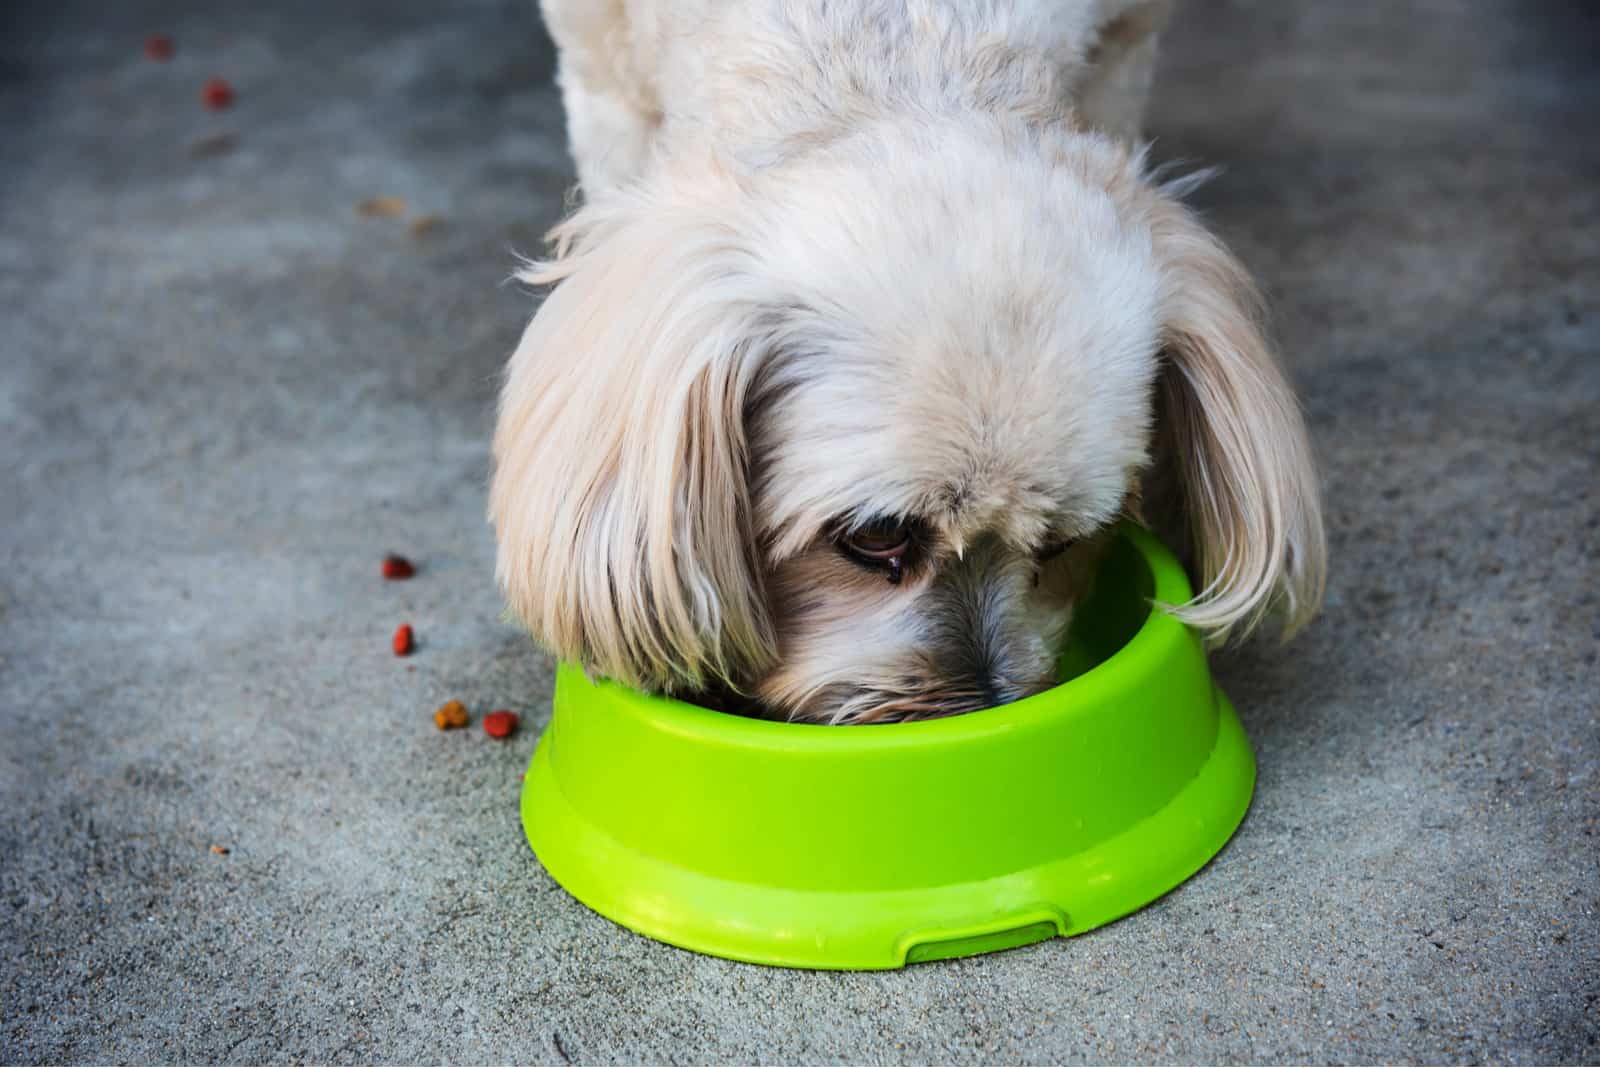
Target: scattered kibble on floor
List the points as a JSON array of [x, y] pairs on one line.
[[500, 723], [451, 714], [404, 640], [217, 94], [398, 567], [383, 207]]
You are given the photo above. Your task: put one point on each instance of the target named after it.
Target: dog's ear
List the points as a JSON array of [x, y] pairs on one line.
[[620, 493], [1114, 83], [1231, 442]]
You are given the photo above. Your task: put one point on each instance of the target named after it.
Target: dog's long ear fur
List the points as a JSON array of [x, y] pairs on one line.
[[1232, 438], [620, 491]]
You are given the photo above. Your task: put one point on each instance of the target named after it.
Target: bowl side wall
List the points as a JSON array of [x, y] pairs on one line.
[[906, 805]]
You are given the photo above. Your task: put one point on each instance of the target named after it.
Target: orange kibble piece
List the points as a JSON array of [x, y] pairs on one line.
[[451, 714]]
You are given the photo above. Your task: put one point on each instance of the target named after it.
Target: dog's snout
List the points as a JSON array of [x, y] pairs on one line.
[[927, 693], [990, 690], [986, 639], [993, 689]]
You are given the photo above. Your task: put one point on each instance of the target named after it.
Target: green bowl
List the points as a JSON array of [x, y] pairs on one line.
[[876, 846]]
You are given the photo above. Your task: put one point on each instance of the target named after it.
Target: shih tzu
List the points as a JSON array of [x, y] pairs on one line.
[[871, 324]]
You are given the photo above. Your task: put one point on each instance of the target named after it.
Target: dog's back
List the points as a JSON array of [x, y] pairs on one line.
[[766, 78]]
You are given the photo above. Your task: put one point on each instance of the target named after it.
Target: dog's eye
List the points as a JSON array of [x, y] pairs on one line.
[[882, 539], [882, 544]]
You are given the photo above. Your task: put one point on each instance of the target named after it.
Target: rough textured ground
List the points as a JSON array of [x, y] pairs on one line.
[[224, 393]]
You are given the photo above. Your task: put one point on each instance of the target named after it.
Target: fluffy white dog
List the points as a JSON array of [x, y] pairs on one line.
[[871, 324]]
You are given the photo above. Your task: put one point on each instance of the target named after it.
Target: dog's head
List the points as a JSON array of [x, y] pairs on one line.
[[843, 437]]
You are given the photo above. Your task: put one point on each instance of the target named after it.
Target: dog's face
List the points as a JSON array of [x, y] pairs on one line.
[[926, 475], [862, 638], [846, 441]]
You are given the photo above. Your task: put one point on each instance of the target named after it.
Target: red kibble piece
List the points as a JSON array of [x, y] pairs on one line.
[[217, 94], [404, 641], [500, 724], [397, 567], [158, 47]]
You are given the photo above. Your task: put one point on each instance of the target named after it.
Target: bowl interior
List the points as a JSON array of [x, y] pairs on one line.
[[1117, 607]]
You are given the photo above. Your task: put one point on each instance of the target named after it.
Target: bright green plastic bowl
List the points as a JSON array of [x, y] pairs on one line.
[[876, 846]]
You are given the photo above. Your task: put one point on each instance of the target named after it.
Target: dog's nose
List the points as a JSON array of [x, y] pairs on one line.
[[990, 689], [997, 690]]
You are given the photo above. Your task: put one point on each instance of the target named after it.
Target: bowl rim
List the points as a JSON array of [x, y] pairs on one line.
[[1170, 586]]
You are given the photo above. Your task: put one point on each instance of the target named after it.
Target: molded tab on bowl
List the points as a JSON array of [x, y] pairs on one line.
[[1017, 931]]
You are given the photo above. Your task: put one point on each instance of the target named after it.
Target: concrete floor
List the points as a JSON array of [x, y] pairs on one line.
[[224, 394]]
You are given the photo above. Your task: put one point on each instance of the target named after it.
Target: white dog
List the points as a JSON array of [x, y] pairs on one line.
[[871, 322]]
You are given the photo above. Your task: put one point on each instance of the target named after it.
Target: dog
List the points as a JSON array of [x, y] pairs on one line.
[[872, 323]]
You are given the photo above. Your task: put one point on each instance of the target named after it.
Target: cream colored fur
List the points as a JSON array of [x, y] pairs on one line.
[[850, 261]]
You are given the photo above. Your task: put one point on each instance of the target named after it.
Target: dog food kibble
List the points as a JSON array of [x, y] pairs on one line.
[[500, 724], [220, 850], [217, 94], [451, 714], [397, 567], [403, 640], [382, 207], [158, 47]]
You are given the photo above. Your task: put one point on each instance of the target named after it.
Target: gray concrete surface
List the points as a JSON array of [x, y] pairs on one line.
[[224, 394]]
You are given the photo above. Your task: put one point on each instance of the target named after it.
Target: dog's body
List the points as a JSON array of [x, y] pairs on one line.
[[768, 80], [870, 326]]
